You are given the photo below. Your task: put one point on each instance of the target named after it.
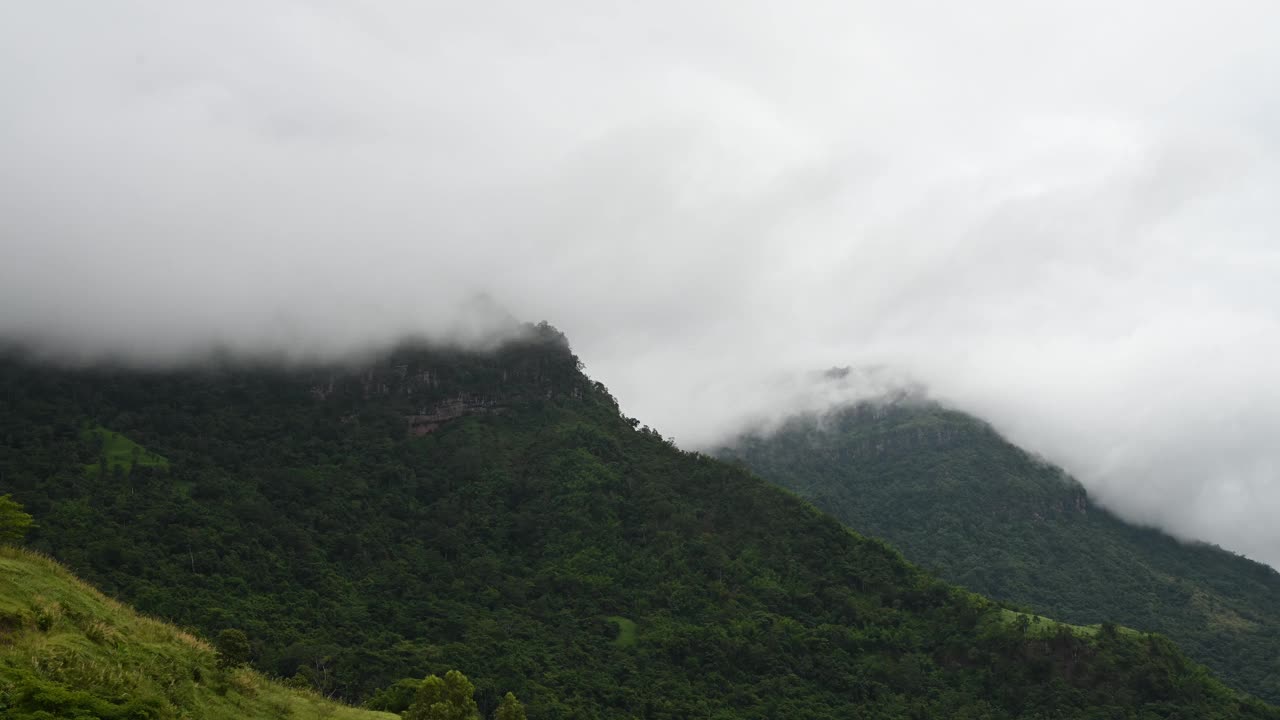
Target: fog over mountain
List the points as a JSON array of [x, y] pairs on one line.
[[1062, 219]]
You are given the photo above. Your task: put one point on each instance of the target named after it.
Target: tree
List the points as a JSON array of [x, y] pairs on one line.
[[14, 523], [510, 709], [449, 698], [232, 647], [395, 698]]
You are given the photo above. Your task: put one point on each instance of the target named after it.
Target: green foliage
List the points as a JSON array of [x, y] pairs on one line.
[[232, 647], [396, 697], [14, 522], [448, 698], [510, 709], [439, 509], [117, 453], [67, 651], [959, 499], [626, 630]]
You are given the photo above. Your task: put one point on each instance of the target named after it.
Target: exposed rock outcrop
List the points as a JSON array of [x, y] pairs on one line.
[[429, 419]]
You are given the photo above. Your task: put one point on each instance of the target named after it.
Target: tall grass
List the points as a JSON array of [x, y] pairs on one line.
[[67, 651]]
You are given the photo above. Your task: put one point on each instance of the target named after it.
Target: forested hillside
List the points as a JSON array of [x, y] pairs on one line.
[[426, 510], [956, 497], [68, 652]]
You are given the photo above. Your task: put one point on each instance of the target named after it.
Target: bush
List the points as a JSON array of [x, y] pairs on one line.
[[232, 647]]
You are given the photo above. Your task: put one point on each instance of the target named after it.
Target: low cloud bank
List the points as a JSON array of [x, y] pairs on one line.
[[1062, 220]]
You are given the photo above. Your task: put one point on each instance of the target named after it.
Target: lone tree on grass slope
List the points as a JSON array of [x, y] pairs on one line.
[[232, 647], [14, 523]]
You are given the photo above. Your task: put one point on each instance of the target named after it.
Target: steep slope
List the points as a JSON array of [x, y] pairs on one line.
[[426, 510], [66, 651], [956, 497]]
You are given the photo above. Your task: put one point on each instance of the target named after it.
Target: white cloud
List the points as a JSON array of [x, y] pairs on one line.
[[1062, 218]]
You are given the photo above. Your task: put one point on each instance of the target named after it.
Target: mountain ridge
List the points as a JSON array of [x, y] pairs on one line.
[[955, 496], [301, 506]]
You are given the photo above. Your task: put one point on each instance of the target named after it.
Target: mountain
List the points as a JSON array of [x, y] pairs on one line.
[[424, 509], [66, 651], [956, 497]]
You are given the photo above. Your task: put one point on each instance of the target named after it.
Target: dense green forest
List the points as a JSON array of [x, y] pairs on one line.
[[66, 651], [957, 498], [425, 510]]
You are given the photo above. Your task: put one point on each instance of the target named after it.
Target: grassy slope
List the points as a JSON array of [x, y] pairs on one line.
[[626, 630], [68, 651], [956, 497], [119, 452]]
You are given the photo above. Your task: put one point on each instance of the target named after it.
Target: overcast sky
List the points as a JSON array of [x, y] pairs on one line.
[[1060, 216]]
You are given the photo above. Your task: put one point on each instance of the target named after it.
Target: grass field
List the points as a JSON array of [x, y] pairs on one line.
[[626, 630], [120, 452], [67, 651], [1040, 626]]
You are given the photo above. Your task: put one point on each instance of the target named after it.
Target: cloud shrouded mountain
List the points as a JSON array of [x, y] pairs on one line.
[[1062, 220]]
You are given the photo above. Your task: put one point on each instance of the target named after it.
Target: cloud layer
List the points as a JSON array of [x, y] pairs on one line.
[[1061, 219]]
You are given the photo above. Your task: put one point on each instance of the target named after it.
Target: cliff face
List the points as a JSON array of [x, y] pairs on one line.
[[872, 429], [425, 385], [431, 417], [538, 363]]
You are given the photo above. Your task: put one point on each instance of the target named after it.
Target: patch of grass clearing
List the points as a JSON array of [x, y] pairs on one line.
[[626, 631], [118, 451], [1039, 626]]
